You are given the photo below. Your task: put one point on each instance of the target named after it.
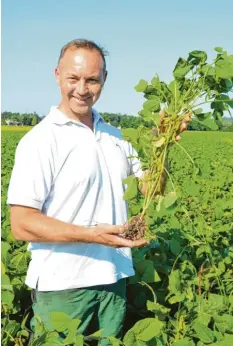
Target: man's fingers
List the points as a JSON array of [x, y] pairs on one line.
[[183, 127], [162, 113], [187, 118], [116, 230], [140, 242], [121, 242]]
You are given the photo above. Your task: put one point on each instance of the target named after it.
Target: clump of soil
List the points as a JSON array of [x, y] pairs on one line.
[[135, 228]]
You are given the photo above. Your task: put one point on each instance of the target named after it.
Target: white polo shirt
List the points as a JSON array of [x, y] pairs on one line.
[[75, 175]]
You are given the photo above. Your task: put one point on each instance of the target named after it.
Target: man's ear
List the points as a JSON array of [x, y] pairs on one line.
[[57, 75], [105, 76]]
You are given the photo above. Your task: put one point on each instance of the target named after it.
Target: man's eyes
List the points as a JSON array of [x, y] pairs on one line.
[[91, 80], [72, 79]]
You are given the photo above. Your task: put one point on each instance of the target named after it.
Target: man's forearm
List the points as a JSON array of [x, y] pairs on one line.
[[36, 227]]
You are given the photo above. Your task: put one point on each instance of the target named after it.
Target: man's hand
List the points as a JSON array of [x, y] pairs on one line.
[[182, 128], [109, 235], [183, 125]]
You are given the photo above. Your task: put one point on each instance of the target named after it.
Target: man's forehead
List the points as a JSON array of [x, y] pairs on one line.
[[82, 56]]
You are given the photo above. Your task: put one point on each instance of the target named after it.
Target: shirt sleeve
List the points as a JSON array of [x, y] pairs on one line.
[[31, 177], [133, 159], [135, 163]]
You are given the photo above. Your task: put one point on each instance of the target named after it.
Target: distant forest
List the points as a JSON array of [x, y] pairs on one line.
[[117, 120]]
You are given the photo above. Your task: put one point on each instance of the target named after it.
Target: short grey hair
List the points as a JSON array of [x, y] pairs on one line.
[[85, 44]]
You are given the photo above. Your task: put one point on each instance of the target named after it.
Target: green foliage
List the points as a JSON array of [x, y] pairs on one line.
[[193, 251], [185, 274], [26, 119], [195, 82], [188, 267]]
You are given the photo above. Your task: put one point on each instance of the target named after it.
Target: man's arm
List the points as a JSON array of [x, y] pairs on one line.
[[29, 224]]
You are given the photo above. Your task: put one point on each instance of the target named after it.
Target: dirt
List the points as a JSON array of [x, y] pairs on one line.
[[135, 228]]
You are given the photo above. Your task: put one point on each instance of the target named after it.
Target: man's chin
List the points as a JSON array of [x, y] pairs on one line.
[[82, 111]]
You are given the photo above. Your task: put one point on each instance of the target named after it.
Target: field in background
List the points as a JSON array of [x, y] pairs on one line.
[[189, 267], [16, 128]]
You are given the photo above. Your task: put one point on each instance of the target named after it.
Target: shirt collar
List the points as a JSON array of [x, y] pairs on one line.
[[58, 117]]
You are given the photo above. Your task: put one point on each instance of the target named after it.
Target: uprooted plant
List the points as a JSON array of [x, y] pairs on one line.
[[196, 82]]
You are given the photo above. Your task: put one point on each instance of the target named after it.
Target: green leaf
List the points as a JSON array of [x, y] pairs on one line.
[[169, 199], [79, 340], [203, 318], [227, 341], [156, 118], [175, 284], [156, 83], [20, 261], [96, 335], [130, 339], [141, 86], [196, 56], [180, 72], [8, 298], [218, 49], [158, 309], [145, 269], [152, 105], [72, 331], [224, 67], [5, 283], [143, 331], [174, 88], [60, 321], [146, 115], [12, 327], [24, 333], [51, 338], [5, 247], [3, 268], [210, 123], [184, 342], [130, 134], [197, 111], [175, 247], [132, 187], [204, 333], [148, 328], [113, 341], [24, 321]]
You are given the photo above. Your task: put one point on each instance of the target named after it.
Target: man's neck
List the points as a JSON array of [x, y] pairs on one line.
[[84, 119]]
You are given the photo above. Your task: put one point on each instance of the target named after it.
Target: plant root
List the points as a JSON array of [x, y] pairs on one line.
[[135, 228]]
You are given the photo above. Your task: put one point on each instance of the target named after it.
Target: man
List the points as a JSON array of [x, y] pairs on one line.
[[66, 200]]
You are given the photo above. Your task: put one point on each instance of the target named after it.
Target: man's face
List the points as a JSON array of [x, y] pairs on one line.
[[81, 77]]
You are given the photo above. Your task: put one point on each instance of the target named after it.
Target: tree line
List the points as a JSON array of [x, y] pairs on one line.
[[23, 119], [115, 119]]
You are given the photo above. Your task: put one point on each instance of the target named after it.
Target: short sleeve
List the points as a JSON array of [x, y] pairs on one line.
[[135, 163], [31, 177]]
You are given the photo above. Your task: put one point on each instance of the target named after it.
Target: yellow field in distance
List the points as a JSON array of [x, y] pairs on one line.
[[15, 128]]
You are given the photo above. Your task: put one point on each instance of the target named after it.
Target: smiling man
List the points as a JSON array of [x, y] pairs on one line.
[[66, 200], [81, 75]]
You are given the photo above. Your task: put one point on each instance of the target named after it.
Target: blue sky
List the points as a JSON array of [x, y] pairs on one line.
[[142, 38]]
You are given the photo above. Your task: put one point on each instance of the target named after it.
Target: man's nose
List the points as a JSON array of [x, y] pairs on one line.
[[81, 87]]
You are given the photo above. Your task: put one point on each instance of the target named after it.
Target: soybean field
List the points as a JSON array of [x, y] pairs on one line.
[[182, 293]]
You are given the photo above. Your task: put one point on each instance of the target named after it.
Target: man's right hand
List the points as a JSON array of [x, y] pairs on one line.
[[109, 235]]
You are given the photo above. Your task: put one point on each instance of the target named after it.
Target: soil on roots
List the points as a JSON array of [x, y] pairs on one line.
[[135, 228]]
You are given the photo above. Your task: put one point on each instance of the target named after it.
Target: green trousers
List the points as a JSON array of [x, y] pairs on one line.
[[98, 307]]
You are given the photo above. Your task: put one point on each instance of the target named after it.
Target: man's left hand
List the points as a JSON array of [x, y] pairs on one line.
[[183, 125]]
